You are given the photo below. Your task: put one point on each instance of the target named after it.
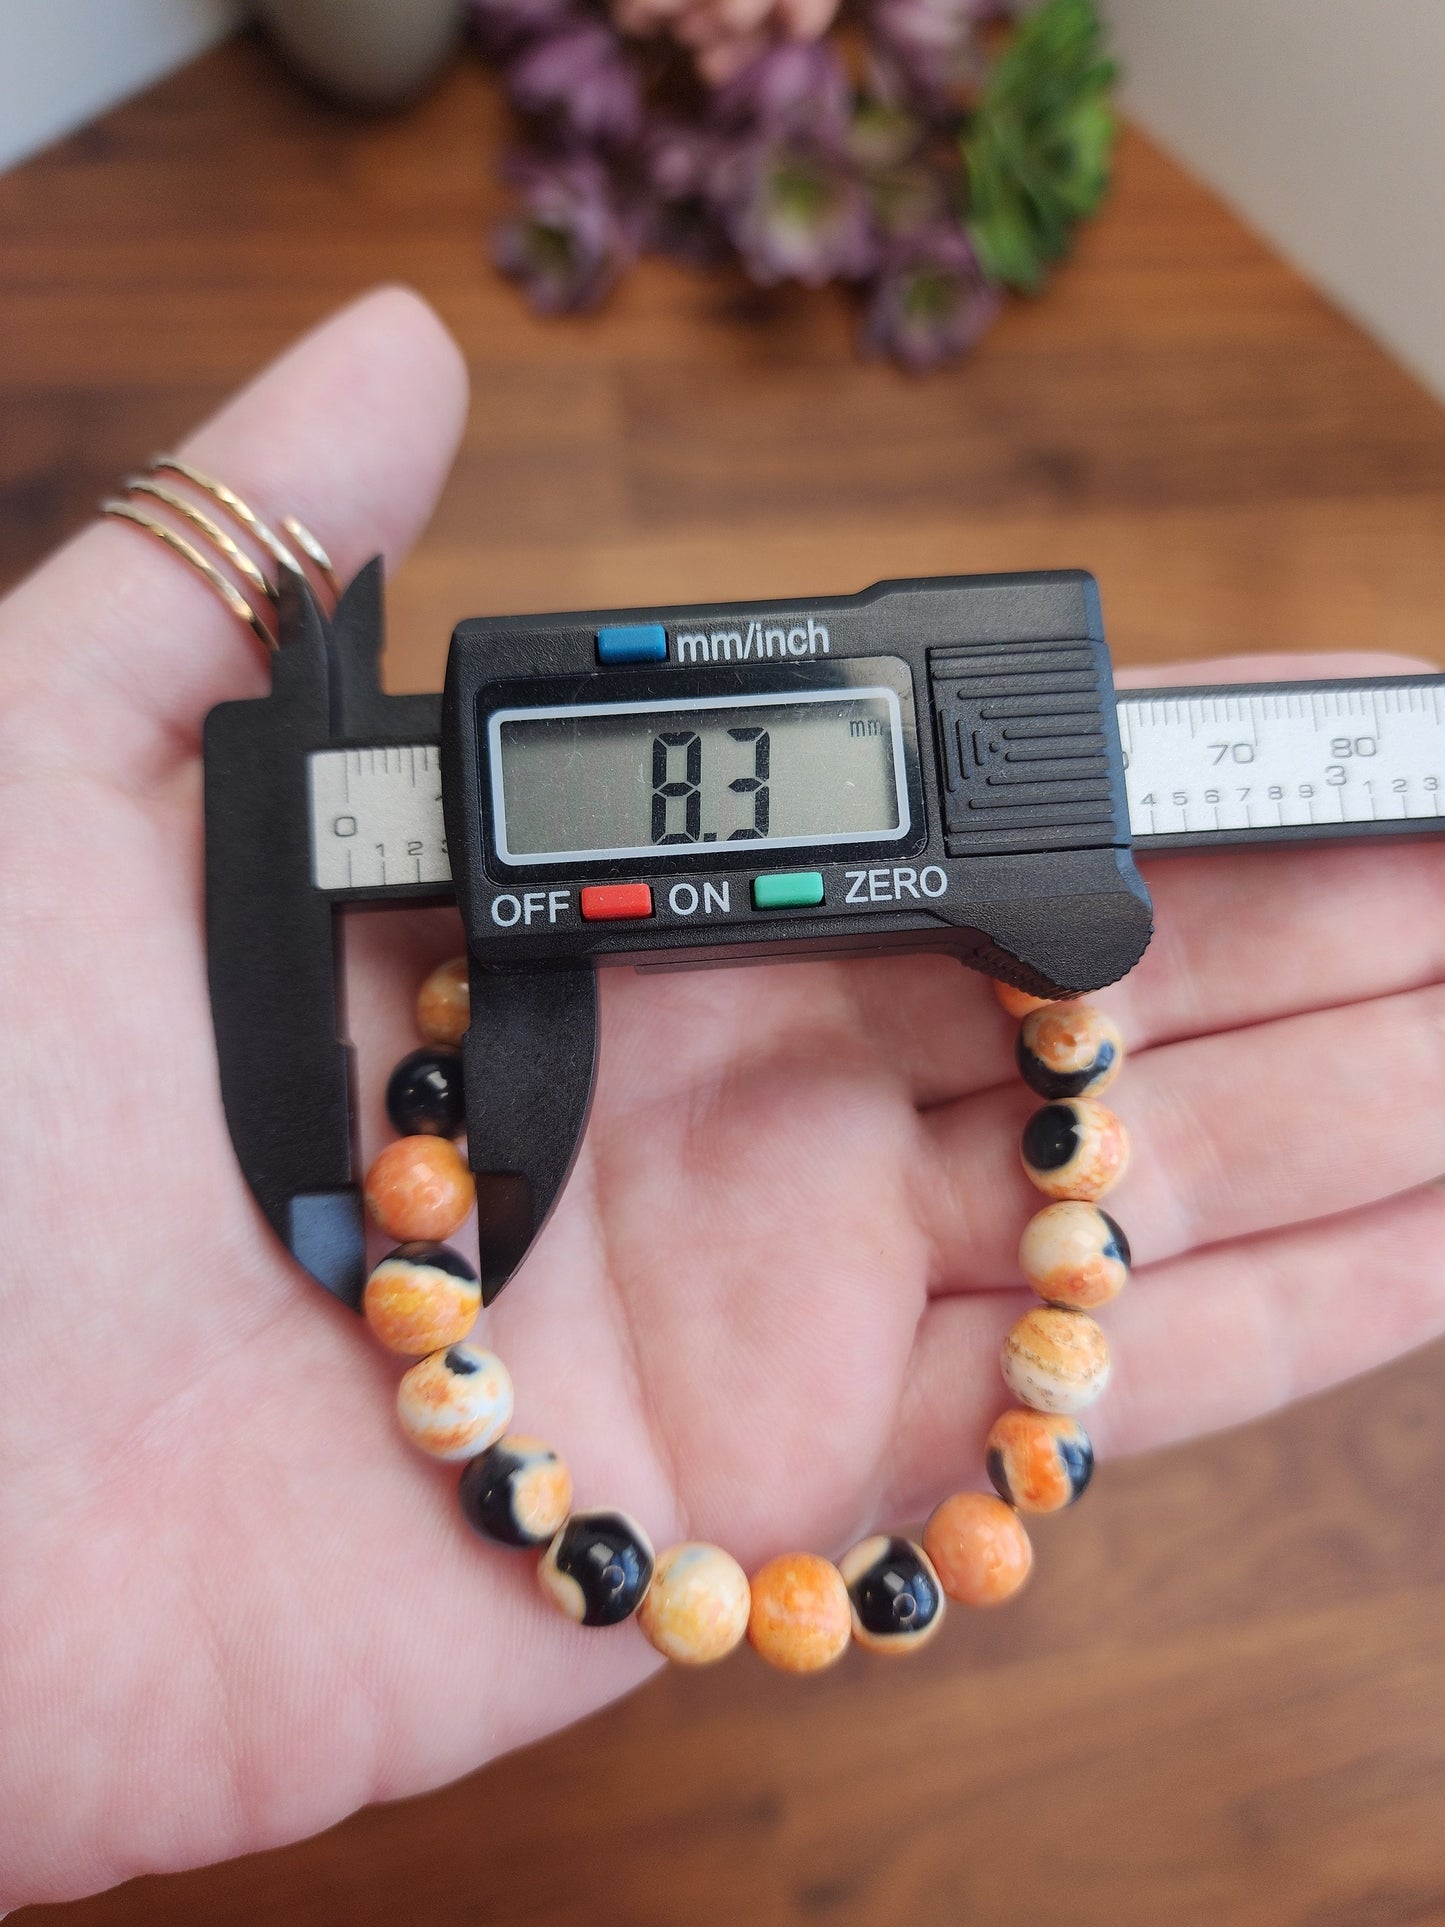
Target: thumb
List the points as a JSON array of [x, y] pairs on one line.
[[113, 650]]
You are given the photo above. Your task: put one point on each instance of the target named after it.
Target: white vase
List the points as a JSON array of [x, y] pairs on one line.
[[371, 53]]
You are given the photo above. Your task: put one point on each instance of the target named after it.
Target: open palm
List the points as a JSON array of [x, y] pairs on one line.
[[767, 1311]]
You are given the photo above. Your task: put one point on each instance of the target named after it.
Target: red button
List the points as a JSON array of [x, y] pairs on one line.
[[603, 902]]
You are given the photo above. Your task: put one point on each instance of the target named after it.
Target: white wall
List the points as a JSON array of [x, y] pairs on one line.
[[62, 61], [1323, 122]]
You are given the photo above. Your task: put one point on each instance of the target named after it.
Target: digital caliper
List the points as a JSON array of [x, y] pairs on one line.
[[940, 764]]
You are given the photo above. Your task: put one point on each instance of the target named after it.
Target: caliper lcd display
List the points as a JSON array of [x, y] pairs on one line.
[[606, 780]]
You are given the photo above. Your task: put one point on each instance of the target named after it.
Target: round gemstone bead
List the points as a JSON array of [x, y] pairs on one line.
[[421, 1298], [801, 1618], [1074, 1255], [894, 1593], [455, 1403], [1069, 1050], [696, 1609], [517, 1492], [979, 1549], [444, 1003], [1019, 1003], [420, 1187], [598, 1568], [1075, 1149], [424, 1094], [1056, 1361], [1039, 1461]]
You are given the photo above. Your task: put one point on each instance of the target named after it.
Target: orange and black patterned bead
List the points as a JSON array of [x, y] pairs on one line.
[[1069, 1050], [1039, 1461], [421, 1298], [1074, 1254], [1075, 1149], [894, 1593], [517, 1492], [598, 1568], [456, 1402]]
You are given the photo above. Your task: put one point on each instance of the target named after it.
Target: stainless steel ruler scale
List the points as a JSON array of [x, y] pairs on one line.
[[1207, 767], [1283, 761], [376, 817]]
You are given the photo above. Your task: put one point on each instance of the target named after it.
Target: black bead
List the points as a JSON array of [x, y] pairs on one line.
[[896, 1595], [424, 1095], [608, 1560], [489, 1489], [1051, 1137]]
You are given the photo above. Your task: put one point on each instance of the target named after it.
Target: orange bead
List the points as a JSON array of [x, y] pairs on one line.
[[1055, 1360], [420, 1187], [979, 1549], [1019, 1003], [696, 1609], [800, 1619], [444, 1003]]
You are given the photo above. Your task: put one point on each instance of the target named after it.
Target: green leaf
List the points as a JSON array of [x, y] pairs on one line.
[[1037, 153]]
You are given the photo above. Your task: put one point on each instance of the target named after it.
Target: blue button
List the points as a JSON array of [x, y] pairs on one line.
[[632, 642]]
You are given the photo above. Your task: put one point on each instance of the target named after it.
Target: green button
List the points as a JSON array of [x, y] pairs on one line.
[[790, 890]]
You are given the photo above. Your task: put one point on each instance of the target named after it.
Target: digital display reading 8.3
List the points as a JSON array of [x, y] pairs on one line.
[[638, 779]]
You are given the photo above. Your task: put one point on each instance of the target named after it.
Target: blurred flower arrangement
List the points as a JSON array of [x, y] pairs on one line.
[[930, 153]]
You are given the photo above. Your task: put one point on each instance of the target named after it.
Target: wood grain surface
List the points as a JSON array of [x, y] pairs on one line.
[[1223, 1700]]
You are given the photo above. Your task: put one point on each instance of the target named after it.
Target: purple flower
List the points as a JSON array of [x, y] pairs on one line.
[[503, 27], [907, 201], [679, 164], [931, 44], [798, 91], [930, 304], [569, 241], [882, 135], [584, 79], [794, 214]]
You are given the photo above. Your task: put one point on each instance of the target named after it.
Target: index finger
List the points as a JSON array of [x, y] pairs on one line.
[[111, 653]]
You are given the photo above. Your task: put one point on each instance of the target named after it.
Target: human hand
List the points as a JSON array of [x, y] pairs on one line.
[[767, 1312]]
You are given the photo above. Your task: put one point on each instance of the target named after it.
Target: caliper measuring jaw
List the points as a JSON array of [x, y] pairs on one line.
[[1053, 905], [273, 949]]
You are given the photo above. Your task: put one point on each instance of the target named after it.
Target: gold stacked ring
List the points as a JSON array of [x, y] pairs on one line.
[[253, 600]]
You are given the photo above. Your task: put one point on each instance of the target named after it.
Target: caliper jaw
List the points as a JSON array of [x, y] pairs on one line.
[[273, 951]]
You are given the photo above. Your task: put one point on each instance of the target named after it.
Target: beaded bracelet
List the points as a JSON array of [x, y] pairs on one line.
[[694, 1602]]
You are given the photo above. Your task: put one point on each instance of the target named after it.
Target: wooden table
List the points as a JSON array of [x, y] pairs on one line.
[[1223, 1700]]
